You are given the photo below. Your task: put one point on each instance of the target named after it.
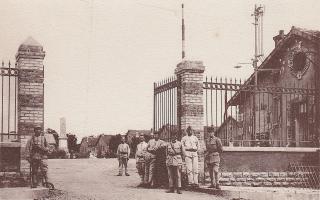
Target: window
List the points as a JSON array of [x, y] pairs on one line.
[[299, 61]]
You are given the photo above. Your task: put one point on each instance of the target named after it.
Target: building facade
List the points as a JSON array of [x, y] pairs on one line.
[[282, 106]]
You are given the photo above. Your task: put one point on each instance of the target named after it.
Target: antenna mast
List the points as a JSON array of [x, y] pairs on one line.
[[183, 36], [258, 32], [258, 38]]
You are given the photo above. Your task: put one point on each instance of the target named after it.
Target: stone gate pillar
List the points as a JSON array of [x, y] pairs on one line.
[[190, 102], [29, 60]]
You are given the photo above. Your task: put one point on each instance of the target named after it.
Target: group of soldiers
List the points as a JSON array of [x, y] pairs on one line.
[[159, 163]]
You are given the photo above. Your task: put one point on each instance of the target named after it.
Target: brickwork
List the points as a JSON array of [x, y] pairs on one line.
[[29, 60], [190, 96], [263, 179], [12, 179]]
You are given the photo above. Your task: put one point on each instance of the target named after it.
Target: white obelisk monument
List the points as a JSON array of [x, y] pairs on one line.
[[63, 135]]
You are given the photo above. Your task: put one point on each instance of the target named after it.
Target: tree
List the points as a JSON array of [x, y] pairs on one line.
[[72, 144], [55, 135], [114, 143], [134, 142]]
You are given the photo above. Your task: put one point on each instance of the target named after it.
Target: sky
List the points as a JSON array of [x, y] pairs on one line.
[[102, 56]]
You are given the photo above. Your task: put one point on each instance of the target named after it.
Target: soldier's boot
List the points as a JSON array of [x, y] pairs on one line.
[[171, 190], [179, 191], [218, 186]]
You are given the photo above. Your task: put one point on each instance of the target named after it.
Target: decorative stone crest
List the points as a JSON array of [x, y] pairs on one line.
[[298, 60]]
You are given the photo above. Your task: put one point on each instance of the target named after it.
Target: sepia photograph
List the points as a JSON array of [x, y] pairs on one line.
[[159, 100]]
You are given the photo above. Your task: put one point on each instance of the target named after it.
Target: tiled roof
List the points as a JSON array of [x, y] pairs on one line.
[[105, 138], [138, 132], [91, 140]]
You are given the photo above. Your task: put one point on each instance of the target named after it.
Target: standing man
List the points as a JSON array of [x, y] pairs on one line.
[[214, 148], [154, 145], [37, 149], [174, 163], [140, 162], [123, 153], [190, 144]]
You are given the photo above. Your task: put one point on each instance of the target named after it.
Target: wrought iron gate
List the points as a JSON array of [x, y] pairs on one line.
[[8, 107], [165, 107]]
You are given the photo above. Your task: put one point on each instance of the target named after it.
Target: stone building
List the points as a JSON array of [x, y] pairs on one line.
[[136, 133], [87, 146], [234, 130], [102, 145], [284, 108]]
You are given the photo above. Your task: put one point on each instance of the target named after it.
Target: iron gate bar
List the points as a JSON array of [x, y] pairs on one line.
[[2, 103], [252, 88], [9, 97], [166, 86], [154, 108], [12, 74], [165, 106]]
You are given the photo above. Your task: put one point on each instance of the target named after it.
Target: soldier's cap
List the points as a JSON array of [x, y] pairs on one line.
[[37, 128]]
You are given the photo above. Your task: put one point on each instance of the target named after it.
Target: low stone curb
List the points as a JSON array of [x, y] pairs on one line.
[[260, 193], [23, 193]]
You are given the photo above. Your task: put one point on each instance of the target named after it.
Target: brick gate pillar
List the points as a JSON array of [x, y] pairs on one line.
[[29, 60], [190, 103]]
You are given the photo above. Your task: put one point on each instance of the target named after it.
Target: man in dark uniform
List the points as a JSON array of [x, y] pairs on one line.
[[214, 148], [37, 149], [174, 164]]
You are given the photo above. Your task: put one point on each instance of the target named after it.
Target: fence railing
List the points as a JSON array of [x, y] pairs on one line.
[[265, 143], [8, 106], [284, 115]]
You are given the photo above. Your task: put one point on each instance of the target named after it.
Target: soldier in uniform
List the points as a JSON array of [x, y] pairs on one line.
[[140, 162], [154, 145], [174, 163], [212, 158], [123, 153], [190, 144], [37, 149]]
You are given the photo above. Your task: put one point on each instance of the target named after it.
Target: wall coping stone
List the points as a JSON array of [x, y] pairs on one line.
[[192, 66], [270, 149], [10, 144]]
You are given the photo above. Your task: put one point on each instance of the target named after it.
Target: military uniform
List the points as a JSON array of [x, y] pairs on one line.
[[214, 146], [190, 145], [212, 158], [174, 163], [37, 148], [150, 159], [140, 162], [123, 153]]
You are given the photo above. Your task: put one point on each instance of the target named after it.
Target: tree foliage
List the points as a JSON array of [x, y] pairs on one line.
[[114, 143], [55, 135], [72, 142]]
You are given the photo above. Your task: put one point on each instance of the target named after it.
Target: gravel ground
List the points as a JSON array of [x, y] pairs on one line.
[[96, 179]]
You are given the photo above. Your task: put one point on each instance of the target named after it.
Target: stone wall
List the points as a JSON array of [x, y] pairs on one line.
[[266, 166], [263, 179], [265, 159], [29, 60]]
